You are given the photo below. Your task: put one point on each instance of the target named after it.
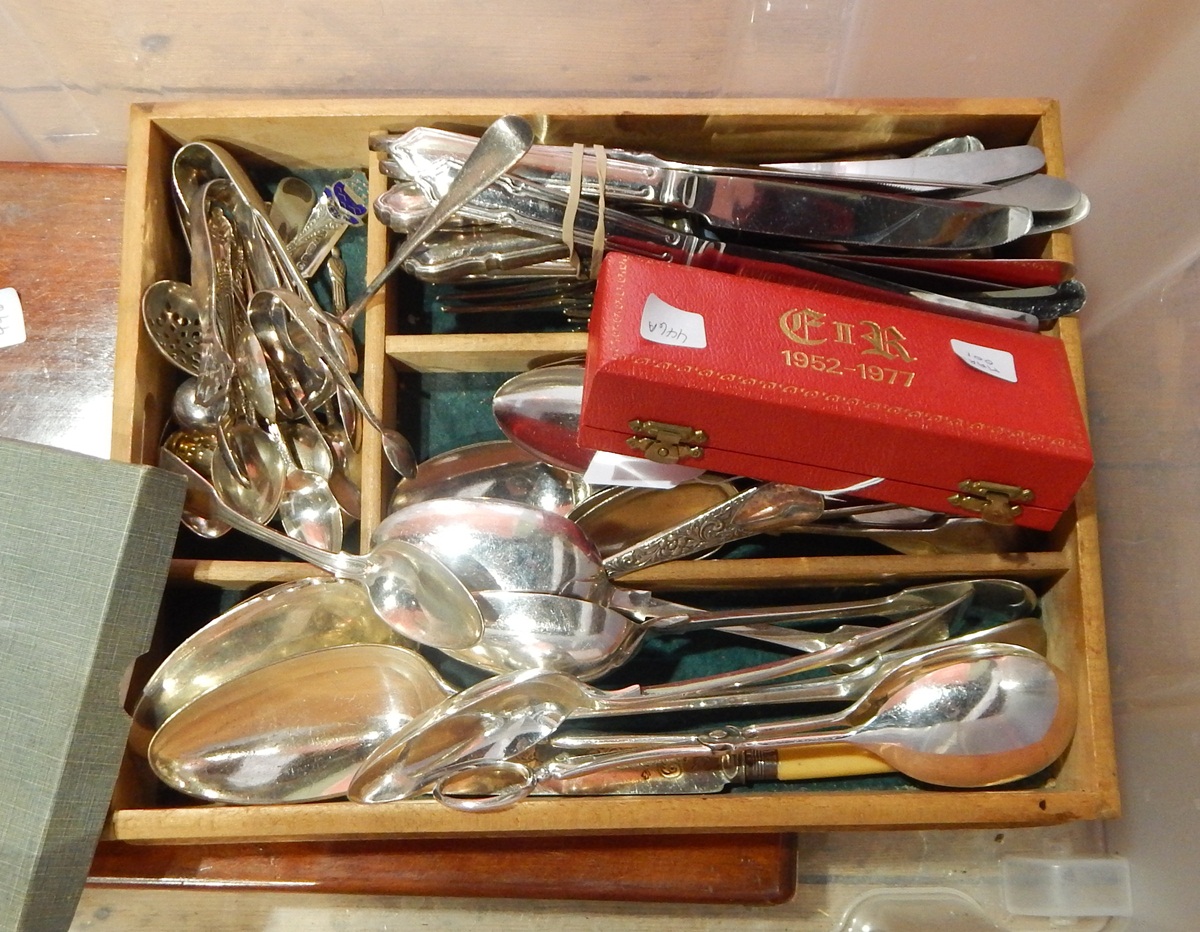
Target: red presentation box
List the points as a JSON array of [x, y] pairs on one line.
[[783, 383]]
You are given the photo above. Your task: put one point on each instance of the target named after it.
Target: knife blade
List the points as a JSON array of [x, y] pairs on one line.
[[820, 213], [965, 168], [757, 203]]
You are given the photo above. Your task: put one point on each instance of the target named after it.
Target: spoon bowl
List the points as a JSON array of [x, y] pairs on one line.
[[500, 146], [295, 730], [538, 410], [496, 469], [309, 511], [496, 545], [286, 620], [411, 590], [175, 324], [262, 467]]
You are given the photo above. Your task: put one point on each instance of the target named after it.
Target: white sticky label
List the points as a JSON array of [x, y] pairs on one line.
[[672, 326], [12, 318], [994, 362], [615, 469]]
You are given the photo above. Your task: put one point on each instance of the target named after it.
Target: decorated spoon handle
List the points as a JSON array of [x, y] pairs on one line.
[[760, 509], [341, 205]]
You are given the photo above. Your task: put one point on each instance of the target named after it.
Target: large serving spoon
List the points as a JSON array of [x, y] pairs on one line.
[[538, 410], [493, 469], [285, 620], [975, 716], [410, 589], [536, 630], [492, 544], [850, 682], [929, 705], [507, 714], [500, 147], [296, 730], [697, 775]]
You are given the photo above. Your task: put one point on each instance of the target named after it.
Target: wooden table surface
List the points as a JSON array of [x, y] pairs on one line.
[[60, 243]]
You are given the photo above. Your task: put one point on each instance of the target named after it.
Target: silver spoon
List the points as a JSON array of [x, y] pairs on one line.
[[499, 148], [538, 410], [535, 630], [286, 620], [619, 517], [307, 507], [257, 492], [491, 544], [507, 714], [309, 511], [850, 682], [556, 633], [493, 469], [972, 717], [296, 730], [588, 639], [311, 448], [411, 590], [291, 206], [505, 546], [494, 544]]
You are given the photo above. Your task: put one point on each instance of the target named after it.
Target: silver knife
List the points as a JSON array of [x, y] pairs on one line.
[[959, 168], [744, 203]]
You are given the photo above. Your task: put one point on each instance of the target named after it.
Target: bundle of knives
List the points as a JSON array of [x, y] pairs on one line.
[[930, 231]]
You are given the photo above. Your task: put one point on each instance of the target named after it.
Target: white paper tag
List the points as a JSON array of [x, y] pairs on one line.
[[672, 326], [994, 362], [615, 469], [12, 318]]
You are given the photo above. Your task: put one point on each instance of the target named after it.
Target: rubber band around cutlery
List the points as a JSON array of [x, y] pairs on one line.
[[574, 193], [568, 227], [598, 235]]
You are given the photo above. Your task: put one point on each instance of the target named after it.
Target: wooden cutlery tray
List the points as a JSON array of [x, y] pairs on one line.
[[411, 364]]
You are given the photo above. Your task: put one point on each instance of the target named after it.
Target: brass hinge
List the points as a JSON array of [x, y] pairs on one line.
[[994, 501], [666, 443]]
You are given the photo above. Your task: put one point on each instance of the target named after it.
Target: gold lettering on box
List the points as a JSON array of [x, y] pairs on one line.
[[798, 325], [885, 341], [844, 333]]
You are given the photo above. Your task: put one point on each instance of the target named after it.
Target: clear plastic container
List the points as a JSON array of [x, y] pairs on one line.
[[1126, 76]]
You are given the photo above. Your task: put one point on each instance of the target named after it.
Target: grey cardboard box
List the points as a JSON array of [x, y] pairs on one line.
[[85, 545]]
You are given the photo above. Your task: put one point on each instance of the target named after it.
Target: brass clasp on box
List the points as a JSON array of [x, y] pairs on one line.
[[666, 443], [994, 501]]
